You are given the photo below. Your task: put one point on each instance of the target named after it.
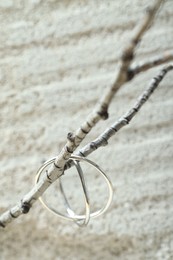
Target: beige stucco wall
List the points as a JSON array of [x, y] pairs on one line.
[[56, 59]]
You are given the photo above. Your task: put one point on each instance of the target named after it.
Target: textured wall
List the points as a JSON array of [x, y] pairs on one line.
[[56, 59]]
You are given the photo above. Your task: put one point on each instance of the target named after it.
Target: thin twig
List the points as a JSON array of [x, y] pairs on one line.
[[102, 140], [73, 140], [151, 63], [128, 55]]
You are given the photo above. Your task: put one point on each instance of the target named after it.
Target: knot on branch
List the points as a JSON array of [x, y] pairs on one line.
[[103, 113], [25, 207], [71, 137], [69, 146], [127, 55], [93, 146], [130, 74]]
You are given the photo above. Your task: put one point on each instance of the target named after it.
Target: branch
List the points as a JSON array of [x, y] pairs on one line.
[[73, 140], [128, 55], [101, 109], [102, 140], [146, 65]]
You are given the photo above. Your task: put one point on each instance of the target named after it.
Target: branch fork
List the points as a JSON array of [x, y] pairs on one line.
[[127, 71]]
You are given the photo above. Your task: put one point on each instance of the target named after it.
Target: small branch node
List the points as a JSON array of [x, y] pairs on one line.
[[71, 137], [25, 207], [130, 74], [104, 115], [93, 145]]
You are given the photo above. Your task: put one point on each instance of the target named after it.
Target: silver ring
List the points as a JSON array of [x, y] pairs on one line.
[[71, 215], [69, 210]]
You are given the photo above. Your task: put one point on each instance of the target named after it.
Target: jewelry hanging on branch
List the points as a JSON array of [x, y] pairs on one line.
[[80, 220], [127, 70]]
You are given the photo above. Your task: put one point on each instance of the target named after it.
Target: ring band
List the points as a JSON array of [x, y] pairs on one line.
[[71, 215], [87, 204]]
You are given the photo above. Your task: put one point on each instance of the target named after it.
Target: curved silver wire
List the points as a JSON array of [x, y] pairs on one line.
[[69, 210], [71, 215], [108, 182]]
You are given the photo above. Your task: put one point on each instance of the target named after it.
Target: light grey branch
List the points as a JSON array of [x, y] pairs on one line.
[[128, 56], [102, 140], [101, 109], [73, 140], [151, 63]]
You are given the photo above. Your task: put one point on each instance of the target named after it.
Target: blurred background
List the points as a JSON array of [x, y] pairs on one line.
[[56, 59]]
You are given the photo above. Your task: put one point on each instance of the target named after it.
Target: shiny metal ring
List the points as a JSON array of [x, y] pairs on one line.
[[71, 215]]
